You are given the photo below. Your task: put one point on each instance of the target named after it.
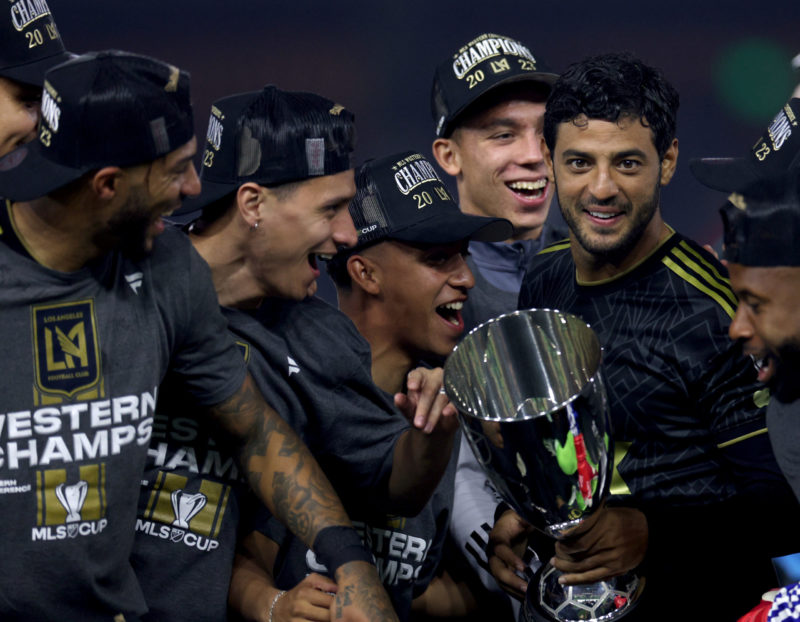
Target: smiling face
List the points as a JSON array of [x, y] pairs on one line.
[[19, 114], [768, 318], [295, 228], [496, 157], [422, 291], [156, 190], [608, 177]]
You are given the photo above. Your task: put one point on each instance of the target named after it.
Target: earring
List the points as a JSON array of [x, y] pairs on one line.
[[255, 226]]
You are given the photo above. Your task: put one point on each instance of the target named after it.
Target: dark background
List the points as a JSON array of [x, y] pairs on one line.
[[730, 61]]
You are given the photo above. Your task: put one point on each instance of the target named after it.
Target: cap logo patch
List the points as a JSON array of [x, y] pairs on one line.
[[315, 156], [412, 172], [737, 200], [24, 12], [174, 74], [158, 130], [336, 110], [488, 46]]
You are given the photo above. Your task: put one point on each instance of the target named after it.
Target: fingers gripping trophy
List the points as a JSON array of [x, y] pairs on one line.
[[534, 410]]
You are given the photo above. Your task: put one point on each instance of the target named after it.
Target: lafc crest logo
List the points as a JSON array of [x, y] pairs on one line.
[[66, 349]]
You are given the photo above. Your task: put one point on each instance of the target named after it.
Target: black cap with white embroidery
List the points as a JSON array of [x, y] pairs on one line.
[[100, 109], [477, 67], [30, 43]]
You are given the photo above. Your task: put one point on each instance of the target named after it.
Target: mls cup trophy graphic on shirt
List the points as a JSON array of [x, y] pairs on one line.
[[186, 506], [72, 497], [534, 410]]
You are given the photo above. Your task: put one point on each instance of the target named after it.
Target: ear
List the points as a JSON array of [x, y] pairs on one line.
[[447, 154], [548, 160], [669, 162], [249, 198], [365, 273], [105, 183]]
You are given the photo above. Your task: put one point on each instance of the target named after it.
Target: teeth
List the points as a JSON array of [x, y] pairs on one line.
[[758, 363], [528, 185], [324, 256], [453, 306], [602, 215]]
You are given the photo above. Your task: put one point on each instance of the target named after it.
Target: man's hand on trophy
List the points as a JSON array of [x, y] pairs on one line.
[[614, 543], [360, 596], [507, 543], [425, 403]]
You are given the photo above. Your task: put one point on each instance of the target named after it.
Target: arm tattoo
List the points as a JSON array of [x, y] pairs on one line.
[[278, 465]]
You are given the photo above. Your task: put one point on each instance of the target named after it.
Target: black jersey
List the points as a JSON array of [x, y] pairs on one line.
[[688, 417], [679, 388]]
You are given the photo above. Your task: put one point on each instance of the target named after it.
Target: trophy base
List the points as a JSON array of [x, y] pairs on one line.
[[548, 601]]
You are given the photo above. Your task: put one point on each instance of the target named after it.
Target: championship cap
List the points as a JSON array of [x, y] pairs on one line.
[[476, 68], [272, 137], [400, 197], [29, 42], [100, 109], [775, 152], [762, 223]]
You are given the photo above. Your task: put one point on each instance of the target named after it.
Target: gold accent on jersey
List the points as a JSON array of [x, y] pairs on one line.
[[618, 485], [761, 397], [741, 438]]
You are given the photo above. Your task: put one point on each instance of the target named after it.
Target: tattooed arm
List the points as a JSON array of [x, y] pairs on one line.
[[290, 483]]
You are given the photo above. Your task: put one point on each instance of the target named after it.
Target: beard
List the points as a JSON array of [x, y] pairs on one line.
[[613, 251], [127, 230]]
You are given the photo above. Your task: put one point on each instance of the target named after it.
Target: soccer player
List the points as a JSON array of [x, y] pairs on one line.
[[761, 219], [30, 44], [488, 102], [99, 308], [691, 456]]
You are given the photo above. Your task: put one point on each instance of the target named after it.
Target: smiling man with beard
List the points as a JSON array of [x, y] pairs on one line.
[[762, 224], [691, 457]]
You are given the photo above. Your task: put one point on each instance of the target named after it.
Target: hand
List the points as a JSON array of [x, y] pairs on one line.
[[507, 542], [308, 601], [360, 595], [614, 543], [424, 404]]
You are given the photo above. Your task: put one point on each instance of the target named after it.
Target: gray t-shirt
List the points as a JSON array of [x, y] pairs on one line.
[[85, 354], [783, 423]]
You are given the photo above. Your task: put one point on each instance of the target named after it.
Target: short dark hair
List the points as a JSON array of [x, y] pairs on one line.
[[609, 87]]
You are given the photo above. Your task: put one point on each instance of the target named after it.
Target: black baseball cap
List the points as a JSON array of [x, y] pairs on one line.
[[400, 197], [477, 67], [107, 108], [774, 153], [762, 222], [30, 43], [272, 137]]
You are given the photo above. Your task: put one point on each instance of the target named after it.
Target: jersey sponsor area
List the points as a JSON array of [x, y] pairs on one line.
[[75, 432]]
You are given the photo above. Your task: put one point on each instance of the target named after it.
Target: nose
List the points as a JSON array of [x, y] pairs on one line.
[[191, 183], [530, 149], [740, 327], [344, 232], [602, 184], [461, 277]]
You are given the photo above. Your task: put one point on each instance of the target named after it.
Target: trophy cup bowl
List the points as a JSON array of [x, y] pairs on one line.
[[533, 407]]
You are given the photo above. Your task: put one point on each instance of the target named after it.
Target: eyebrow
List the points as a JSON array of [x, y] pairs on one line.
[[502, 122], [621, 155]]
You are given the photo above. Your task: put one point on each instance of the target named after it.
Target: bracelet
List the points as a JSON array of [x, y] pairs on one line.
[[275, 600]]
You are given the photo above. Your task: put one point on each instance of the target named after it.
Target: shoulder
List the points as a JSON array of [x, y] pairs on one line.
[[701, 275]]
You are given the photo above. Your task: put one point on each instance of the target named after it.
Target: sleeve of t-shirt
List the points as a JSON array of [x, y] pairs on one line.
[[204, 357]]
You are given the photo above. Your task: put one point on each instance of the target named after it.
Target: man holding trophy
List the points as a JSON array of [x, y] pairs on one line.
[[691, 460]]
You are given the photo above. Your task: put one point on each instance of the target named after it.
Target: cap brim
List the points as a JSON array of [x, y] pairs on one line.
[[725, 174], [210, 192], [33, 72], [449, 228], [537, 77], [25, 174]]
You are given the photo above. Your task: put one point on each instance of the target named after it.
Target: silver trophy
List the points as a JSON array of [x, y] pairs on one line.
[[534, 410]]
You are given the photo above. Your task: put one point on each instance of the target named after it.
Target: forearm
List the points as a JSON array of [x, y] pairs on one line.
[[418, 464], [279, 467], [252, 590]]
